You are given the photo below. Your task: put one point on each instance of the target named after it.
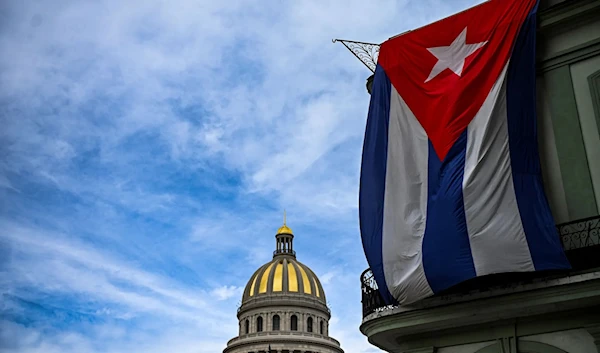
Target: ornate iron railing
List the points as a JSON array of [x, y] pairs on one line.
[[367, 53], [371, 299], [580, 234], [580, 239]]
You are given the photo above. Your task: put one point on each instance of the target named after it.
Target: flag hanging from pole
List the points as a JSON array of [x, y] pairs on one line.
[[450, 185]]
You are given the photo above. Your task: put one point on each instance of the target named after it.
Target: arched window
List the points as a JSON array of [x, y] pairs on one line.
[[309, 325], [247, 328], [321, 327], [276, 323], [259, 322], [294, 323]]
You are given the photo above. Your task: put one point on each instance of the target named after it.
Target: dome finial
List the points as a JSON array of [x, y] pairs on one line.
[[284, 229]]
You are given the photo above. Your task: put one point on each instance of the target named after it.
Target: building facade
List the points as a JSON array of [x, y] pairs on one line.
[[284, 308], [539, 312]]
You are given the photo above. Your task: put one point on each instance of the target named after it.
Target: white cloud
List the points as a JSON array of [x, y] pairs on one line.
[[327, 277], [110, 340], [75, 269], [226, 292], [148, 148]]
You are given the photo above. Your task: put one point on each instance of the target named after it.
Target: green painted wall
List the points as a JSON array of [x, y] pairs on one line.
[[581, 72], [594, 82], [570, 147], [553, 185]]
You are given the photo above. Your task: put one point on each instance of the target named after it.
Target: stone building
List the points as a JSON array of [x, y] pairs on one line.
[[538, 312], [283, 307]]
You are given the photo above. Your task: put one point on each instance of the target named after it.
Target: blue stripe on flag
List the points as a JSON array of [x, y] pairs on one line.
[[538, 223], [372, 178], [447, 258]]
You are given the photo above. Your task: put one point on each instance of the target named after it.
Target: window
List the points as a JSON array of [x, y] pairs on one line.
[[309, 325], [247, 328], [276, 323], [321, 327], [294, 323], [259, 324]]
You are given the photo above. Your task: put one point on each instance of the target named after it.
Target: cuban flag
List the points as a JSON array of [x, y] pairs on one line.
[[450, 185]]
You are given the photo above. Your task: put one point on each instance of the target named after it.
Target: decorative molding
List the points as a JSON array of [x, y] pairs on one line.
[[567, 13], [288, 341], [566, 16], [569, 56], [284, 300]]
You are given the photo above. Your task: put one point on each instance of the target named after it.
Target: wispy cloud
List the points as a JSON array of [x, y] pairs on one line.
[[227, 292], [146, 152]]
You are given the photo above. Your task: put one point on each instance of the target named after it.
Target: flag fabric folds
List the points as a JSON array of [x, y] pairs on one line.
[[450, 185]]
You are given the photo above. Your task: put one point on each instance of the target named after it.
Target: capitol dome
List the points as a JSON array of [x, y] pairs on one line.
[[283, 307], [284, 275]]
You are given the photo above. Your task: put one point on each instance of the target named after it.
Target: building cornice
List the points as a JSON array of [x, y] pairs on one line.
[[284, 338], [567, 13], [284, 300]]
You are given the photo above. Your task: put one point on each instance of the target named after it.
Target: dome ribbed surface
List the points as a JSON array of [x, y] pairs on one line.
[[283, 275]]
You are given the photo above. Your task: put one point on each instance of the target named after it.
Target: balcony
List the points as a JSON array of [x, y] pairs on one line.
[[580, 239]]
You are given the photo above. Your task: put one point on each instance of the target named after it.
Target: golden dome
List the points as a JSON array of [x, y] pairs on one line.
[[284, 230], [284, 275]]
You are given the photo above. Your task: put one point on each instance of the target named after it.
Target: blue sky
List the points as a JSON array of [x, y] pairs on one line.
[[148, 149]]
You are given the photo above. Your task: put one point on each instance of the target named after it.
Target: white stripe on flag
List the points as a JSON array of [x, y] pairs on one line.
[[498, 242], [405, 204]]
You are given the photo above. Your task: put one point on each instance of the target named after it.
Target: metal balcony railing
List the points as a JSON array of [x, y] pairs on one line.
[[580, 239], [580, 234]]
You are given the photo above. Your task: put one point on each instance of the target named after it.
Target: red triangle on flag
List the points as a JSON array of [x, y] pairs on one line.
[[445, 71]]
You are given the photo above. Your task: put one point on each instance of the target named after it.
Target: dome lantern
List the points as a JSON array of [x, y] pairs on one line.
[[284, 240]]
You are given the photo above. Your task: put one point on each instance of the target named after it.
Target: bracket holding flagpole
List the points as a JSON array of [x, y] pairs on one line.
[[367, 53]]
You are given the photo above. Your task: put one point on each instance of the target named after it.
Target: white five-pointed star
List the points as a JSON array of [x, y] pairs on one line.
[[453, 57]]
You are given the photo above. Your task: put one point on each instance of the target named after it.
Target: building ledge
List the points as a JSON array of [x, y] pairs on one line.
[[486, 300], [514, 288], [580, 240], [517, 301], [283, 299], [274, 337], [566, 12]]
